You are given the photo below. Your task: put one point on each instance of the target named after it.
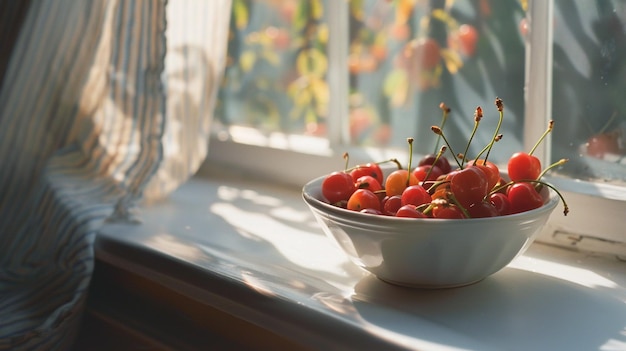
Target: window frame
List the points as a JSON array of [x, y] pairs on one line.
[[594, 222]]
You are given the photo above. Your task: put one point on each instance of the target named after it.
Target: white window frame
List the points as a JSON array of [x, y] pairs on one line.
[[595, 220]]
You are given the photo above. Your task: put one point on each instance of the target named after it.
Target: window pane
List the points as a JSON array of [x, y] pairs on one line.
[[276, 79], [277, 65], [408, 56], [589, 105]]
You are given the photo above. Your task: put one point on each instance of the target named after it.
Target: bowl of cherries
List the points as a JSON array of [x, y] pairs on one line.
[[447, 222]]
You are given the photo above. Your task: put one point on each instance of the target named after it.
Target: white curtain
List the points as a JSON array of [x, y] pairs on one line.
[[104, 105]]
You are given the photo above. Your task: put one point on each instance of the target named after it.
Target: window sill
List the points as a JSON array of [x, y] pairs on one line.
[[253, 251]]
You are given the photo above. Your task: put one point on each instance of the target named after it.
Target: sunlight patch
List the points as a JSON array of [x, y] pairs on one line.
[[576, 275], [298, 246]]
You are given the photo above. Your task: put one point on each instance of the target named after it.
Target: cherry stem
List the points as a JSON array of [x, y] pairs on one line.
[[543, 136], [394, 160], [444, 118], [425, 208], [439, 132], [555, 164], [347, 158], [478, 115], [457, 204], [432, 188], [441, 151], [500, 106], [497, 138]]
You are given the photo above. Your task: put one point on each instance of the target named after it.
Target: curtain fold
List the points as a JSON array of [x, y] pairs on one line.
[[104, 104]]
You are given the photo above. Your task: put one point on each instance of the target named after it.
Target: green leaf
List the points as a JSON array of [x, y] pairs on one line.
[[356, 9], [301, 17], [312, 62]]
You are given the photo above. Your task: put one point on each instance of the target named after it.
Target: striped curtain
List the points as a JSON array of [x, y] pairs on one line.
[[104, 106]]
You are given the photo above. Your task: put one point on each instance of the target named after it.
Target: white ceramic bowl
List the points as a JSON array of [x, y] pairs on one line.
[[428, 253]]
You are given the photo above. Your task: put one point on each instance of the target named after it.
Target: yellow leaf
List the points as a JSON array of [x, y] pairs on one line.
[[320, 90], [444, 17], [247, 60], [241, 14], [317, 9], [452, 60], [524, 4], [322, 33]]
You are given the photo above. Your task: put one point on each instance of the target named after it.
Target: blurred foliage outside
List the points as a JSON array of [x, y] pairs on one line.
[[404, 58]]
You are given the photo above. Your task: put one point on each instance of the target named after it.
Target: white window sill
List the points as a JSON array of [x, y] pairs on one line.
[[220, 238]]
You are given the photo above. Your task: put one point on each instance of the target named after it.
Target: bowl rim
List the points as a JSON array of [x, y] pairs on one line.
[[549, 205]]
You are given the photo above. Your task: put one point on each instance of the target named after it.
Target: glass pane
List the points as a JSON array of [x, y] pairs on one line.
[[589, 87], [407, 56], [277, 64], [276, 76]]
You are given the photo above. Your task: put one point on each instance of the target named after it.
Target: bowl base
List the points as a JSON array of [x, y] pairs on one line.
[[428, 286]]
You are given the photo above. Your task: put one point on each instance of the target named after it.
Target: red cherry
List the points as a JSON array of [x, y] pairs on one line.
[[468, 36], [410, 211], [442, 162], [602, 144], [523, 27], [491, 170], [469, 186], [483, 209], [421, 54], [428, 53], [501, 202], [415, 195], [522, 166], [391, 204], [362, 199], [420, 172], [369, 169], [500, 185], [464, 40], [279, 36], [368, 182], [338, 186], [523, 197]]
